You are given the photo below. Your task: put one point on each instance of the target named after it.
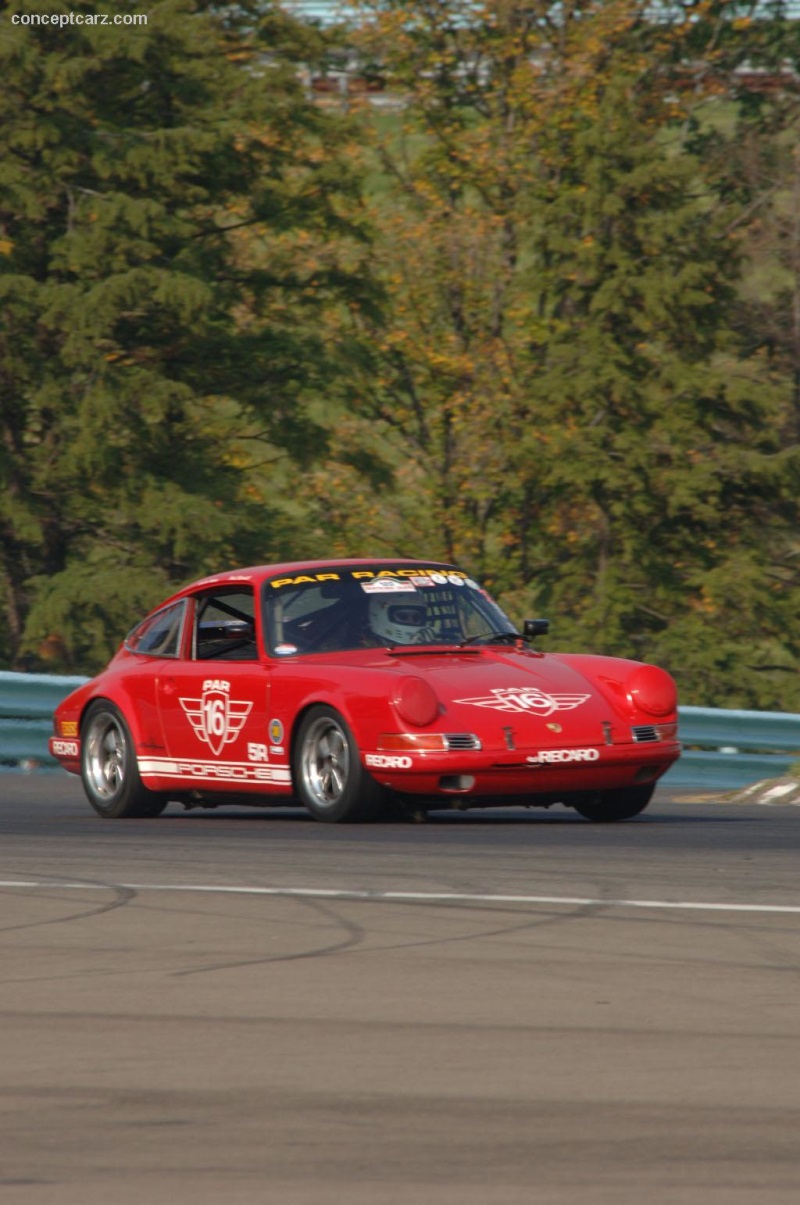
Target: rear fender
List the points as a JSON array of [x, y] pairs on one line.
[[140, 712]]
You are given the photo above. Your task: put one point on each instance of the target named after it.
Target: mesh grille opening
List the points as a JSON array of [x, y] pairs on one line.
[[462, 740]]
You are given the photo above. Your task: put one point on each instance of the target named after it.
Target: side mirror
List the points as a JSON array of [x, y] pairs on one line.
[[535, 627]]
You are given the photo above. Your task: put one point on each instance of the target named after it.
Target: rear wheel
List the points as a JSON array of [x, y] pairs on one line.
[[328, 775], [108, 766], [607, 806]]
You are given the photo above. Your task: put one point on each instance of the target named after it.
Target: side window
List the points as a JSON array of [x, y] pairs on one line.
[[225, 627], [320, 618], [159, 635]]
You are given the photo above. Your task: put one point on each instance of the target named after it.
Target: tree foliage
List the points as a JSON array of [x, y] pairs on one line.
[[540, 316], [144, 345], [562, 375]]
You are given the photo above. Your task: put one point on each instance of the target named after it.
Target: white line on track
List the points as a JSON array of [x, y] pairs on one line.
[[401, 897]]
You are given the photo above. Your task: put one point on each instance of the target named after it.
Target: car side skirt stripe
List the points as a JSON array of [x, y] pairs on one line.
[[192, 770]]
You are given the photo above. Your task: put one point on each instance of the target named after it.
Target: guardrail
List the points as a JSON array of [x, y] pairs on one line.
[[723, 749], [27, 703]]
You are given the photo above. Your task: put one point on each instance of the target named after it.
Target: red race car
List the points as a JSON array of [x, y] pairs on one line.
[[354, 687]]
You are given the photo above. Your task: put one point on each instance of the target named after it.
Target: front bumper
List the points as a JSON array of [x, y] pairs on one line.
[[527, 773]]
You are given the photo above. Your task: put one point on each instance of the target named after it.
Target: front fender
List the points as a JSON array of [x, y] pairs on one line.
[[363, 705]]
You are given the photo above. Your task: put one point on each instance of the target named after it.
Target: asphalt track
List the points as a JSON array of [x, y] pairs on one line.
[[511, 1008]]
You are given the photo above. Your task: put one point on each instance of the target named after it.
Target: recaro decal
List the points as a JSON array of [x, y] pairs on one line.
[[65, 748], [388, 761], [558, 756]]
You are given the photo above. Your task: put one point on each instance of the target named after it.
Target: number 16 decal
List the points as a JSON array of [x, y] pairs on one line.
[[216, 718]]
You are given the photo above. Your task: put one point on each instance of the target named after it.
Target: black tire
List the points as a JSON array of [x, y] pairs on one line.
[[607, 806], [328, 776], [108, 766]]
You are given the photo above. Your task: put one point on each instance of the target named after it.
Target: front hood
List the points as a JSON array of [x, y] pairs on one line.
[[510, 699], [519, 700]]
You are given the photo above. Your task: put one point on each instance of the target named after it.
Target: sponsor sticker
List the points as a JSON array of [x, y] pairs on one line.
[[256, 752], [304, 579], [283, 650], [389, 585], [549, 757], [65, 748], [276, 732], [437, 575], [388, 761], [440, 577], [437, 579], [216, 718]]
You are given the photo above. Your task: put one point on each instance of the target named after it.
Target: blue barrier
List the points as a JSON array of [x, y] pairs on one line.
[[27, 703], [723, 749]]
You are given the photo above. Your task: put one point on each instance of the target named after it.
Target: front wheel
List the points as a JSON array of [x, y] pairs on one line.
[[108, 766], [328, 776], [608, 806]]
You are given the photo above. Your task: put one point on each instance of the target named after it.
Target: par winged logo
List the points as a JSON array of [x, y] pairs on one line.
[[527, 699], [216, 718]]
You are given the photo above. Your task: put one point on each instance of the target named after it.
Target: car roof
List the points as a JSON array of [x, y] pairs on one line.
[[254, 575]]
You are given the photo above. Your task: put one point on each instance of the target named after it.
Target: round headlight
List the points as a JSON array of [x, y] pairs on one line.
[[652, 690], [416, 702]]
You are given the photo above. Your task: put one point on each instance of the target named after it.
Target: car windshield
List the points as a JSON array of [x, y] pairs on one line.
[[338, 609]]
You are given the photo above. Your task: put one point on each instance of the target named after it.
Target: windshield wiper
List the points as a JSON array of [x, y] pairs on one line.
[[418, 650], [493, 638], [472, 644]]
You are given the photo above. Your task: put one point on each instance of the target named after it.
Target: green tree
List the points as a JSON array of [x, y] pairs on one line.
[[561, 382], [670, 515], [156, 325]]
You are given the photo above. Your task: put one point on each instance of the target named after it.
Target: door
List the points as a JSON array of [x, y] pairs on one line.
[[214, 703]]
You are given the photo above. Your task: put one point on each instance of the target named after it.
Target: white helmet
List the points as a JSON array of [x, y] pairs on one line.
[[401, 619]]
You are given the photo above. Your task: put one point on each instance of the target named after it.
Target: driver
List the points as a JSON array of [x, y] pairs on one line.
[[400, 619]]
